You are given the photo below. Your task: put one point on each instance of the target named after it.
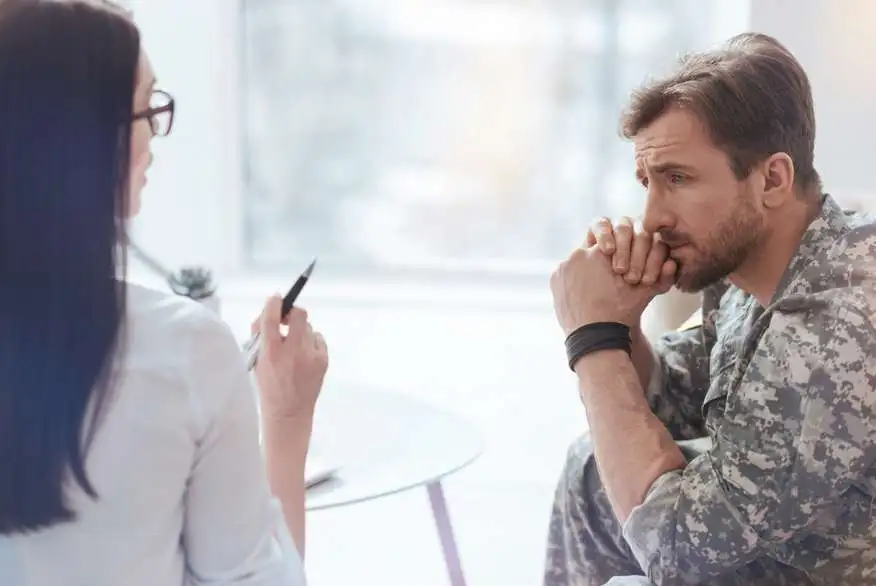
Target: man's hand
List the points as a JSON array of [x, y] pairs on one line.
[[637, 255], [586, 289]]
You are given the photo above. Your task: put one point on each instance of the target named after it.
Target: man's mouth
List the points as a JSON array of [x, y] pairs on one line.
[[676, 250]]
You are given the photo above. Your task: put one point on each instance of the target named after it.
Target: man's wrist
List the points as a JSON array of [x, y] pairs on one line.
[[634, 325], [597, 337], [595, 360]]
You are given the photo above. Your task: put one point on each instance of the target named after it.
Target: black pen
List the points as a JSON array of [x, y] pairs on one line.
[[251, 348]]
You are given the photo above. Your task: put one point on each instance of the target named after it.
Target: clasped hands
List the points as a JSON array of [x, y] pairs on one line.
[[613, 277]]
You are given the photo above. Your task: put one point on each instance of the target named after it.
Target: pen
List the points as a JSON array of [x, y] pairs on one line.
[[251, 348]]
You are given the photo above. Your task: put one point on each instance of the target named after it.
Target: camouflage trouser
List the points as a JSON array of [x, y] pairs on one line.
[[586, 546]]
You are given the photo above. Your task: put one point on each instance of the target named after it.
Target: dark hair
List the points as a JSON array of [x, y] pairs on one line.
[[752, 95], [67, 76]]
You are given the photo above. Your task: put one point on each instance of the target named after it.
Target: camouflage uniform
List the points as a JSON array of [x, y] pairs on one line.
[[784, 490]]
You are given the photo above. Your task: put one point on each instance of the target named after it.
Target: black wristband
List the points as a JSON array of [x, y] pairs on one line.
[[597, 336]]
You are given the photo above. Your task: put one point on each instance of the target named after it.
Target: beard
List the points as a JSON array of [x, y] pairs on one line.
[[728, 246]]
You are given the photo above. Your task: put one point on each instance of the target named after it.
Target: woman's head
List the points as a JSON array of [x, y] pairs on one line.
[[70, 174], [141, 133], [152, 116]]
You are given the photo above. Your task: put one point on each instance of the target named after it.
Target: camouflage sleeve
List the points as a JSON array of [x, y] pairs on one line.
[[796, 433], [679, 382], [680, 379]]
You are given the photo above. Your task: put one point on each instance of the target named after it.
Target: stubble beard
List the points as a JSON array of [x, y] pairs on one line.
[[729, 247]]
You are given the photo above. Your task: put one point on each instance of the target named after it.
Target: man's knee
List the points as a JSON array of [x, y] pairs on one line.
[[629, 581], [579, 480], [580, 451], [586, 543], [578, 457]]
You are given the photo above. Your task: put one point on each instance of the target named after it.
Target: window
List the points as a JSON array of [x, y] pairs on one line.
[[443, 133], [400, 133]]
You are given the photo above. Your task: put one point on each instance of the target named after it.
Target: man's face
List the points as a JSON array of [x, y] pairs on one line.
[[707, 217]]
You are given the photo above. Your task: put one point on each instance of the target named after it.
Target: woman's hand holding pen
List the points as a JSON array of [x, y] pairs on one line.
[[290, 371], [291, 367]]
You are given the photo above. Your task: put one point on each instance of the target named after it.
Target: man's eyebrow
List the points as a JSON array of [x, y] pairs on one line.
[[672, 166], [663, 167]]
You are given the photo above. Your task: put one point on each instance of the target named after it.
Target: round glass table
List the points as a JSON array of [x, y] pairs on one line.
[[383, 443]]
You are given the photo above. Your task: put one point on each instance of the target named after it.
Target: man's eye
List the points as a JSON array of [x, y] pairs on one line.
[[676, 178]]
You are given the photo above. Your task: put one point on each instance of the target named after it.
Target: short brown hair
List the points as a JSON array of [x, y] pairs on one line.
[[752, 95]]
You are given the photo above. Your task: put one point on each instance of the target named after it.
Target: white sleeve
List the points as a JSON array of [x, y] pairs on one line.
[[234, 531]]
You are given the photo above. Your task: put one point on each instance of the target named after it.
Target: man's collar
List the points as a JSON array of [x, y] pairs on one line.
[[828, 226]]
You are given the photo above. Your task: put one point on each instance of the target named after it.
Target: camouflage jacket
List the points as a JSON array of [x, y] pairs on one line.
[[787, 394]]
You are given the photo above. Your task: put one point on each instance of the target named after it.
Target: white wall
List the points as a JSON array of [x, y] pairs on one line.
[[191, 206], [835, 41]]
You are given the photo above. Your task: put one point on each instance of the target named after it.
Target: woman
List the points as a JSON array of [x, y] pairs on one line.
[[129, 449]]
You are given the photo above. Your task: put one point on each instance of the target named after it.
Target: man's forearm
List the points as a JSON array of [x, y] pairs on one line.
[[642, 356], [632, 446]]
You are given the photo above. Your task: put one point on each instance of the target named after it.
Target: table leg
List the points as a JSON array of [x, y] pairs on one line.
[[445, 533]]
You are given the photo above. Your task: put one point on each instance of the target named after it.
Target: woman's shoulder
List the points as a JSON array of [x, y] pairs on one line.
[[185, 344], [144, 302], [171, 328], [167, 310]]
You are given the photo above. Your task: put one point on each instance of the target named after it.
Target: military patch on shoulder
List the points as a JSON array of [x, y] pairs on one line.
[[694, 321]]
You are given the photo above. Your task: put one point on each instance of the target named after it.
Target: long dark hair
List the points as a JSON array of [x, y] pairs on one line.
[[67, 74]]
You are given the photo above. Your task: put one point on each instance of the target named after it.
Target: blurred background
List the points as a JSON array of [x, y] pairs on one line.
[[440, 157]]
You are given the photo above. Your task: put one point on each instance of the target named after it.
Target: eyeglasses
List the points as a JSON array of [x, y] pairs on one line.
[[159, 114]]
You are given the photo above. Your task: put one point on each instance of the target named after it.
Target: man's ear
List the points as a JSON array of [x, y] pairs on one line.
[[778, 180]]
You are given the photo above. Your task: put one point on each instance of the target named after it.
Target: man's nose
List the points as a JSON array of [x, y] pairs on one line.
[[657, 214]]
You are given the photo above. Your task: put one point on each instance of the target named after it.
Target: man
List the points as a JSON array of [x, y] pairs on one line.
[[779, 381]]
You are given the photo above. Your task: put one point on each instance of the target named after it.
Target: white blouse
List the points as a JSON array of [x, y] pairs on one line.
[[176, 462]]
